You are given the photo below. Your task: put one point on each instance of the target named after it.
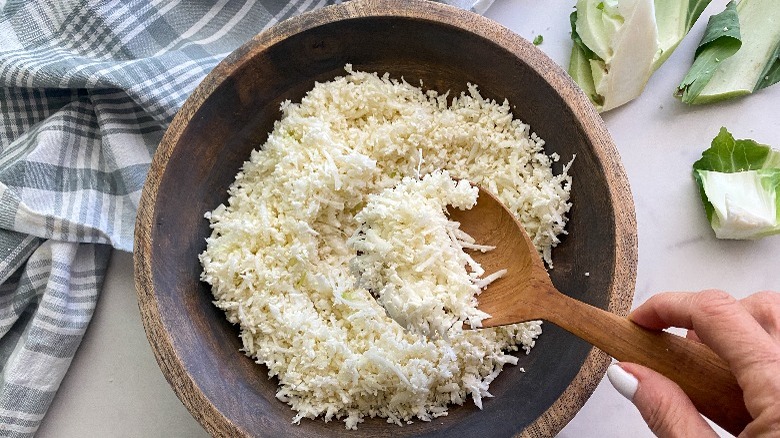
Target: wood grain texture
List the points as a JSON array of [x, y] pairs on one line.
[[232, 111], [526, 293]]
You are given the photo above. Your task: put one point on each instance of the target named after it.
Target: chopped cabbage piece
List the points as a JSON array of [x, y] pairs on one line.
[[738, 55], [739, 182]]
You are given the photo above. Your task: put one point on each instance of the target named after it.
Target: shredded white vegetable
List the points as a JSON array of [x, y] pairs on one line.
[[278, 257], [411, 255]]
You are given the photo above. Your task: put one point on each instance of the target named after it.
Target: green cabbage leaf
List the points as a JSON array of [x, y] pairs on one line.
[[739, 183], [738, 55]]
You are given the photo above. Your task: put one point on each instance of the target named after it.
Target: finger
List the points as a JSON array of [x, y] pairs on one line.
[[765, 308], [767, 424], [663, 405], [656, 313]]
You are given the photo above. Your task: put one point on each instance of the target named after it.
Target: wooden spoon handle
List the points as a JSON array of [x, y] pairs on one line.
[[704, 376]]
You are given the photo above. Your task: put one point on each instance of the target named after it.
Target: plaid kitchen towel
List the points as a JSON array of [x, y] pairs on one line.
[[87, 89]]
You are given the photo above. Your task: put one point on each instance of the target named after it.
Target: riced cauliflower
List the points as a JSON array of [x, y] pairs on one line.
[[411, 255], [278, 258]]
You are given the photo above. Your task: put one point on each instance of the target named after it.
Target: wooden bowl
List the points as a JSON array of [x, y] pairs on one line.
[[232, 111]]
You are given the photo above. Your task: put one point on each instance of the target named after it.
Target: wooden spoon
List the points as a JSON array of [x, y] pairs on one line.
[[526, 293]]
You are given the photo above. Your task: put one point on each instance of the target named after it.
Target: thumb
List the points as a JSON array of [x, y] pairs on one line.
[[663, 405]]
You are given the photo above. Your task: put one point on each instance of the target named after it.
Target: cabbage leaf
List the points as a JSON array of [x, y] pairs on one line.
[[618, 44], [739, 183], [721, 40], [738, 55]]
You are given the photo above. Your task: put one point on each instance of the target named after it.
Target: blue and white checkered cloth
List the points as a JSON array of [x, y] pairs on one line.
[[87, 89]]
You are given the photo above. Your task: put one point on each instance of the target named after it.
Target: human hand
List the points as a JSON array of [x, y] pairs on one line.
[[745, 333]]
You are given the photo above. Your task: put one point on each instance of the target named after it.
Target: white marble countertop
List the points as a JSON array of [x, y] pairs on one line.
[[114, 387]]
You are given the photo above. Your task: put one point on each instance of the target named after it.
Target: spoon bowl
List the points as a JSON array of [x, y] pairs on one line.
[[526, 293]]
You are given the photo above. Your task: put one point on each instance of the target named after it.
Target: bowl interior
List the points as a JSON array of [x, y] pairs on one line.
[[234, 111]]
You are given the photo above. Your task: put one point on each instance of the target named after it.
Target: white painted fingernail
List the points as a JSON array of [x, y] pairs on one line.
[[625, 383]]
